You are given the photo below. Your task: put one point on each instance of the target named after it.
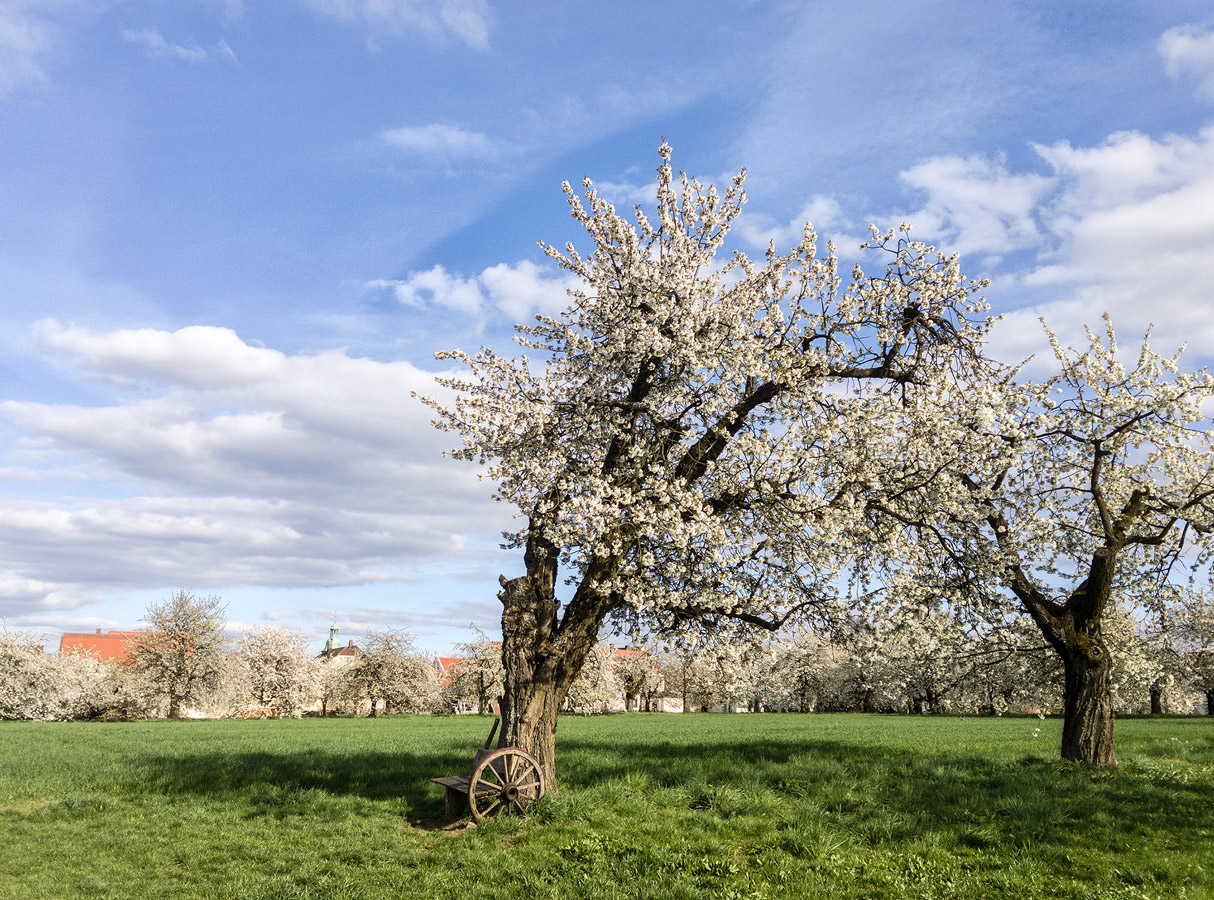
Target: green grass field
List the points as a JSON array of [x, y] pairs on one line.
[[661, 806]]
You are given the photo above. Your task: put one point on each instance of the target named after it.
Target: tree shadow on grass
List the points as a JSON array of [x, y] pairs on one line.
[[1030, 800], [882, 793], [267, 779]]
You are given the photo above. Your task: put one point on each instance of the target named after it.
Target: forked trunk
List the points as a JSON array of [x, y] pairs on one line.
[[1087, 727], [1156, 700], [1073, 630], [540, 661]]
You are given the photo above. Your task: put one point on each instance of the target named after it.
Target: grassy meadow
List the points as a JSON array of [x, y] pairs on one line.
[[651, 805]]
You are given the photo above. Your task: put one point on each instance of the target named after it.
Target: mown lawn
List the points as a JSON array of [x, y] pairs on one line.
[[661, 806]]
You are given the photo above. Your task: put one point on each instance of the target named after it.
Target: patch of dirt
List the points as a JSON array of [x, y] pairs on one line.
[[442, 826]]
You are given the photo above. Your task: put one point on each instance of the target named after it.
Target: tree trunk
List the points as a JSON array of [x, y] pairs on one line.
[[1156, 700], [1073, 630], [541, 658], [1210, 702], [1087, 728], [530, 715]]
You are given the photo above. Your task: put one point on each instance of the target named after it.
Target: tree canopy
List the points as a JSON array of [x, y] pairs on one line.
[[697, 433]]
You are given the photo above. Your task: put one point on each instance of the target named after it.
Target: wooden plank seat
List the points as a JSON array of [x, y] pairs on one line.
[[457, 794]]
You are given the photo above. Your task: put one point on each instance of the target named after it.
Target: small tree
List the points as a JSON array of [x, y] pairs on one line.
[[597, 688], [283, 675], [23, 675], [478, 675], [810, 673], [78, 686], [51, 688], [1193, 643], [182, 654], [639, 674], [393, 673], [1068, 494], [337, 689]]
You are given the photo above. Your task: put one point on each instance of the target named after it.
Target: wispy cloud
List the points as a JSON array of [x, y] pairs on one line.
[[465, 20], [25, 38], [1188, 51], [157, 47], [446, 141]]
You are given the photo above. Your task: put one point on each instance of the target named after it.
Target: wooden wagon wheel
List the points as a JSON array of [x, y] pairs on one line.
[[508, 779]]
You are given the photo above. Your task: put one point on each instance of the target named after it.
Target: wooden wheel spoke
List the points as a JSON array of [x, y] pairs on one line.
[[507, 779]]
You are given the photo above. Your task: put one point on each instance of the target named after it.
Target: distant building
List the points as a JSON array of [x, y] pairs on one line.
[[446, 666], [335, 658], [110, 645], [335, 653]]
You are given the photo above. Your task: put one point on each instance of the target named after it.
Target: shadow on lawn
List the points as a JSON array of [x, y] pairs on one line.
[[1030, 800], [262, 776], [903, 794]]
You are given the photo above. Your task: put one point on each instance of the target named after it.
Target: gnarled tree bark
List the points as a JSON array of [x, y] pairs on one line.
[[542, 652]]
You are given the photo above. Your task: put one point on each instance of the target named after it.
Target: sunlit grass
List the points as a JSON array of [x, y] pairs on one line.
[[661, 806]]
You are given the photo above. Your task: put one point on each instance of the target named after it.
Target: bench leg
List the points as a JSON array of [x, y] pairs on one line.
[[457, 804]]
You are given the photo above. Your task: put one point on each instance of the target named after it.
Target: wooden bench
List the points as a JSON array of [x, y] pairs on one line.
[[457, 794], [505, 779]]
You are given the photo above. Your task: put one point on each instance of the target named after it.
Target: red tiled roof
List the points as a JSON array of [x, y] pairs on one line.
[[111, 645], [345, 650], [629, 652]]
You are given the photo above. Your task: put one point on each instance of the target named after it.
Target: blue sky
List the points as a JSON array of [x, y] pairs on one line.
[[233, 235]]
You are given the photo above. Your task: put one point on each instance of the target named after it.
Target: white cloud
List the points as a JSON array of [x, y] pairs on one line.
[[158, 48], [1132, 224], [624, 194], [516, 291], [227, 464], [440, 140], [437, 287], [822, 212], [466, 20], [521, 290], [199, 356], [1122, 227], [1188, 50], [977, 204]]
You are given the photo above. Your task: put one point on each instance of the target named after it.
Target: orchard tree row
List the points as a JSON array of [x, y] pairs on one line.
[[184, 664], [935, 663], [910, 662]]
